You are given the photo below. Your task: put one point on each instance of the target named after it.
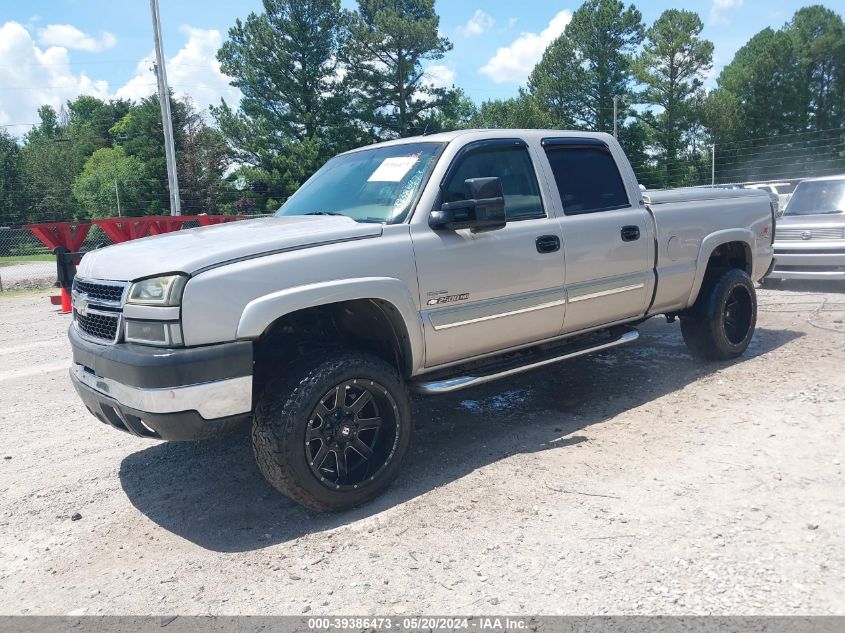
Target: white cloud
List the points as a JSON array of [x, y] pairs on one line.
[[32, 77], [68, 36], [193, 71], [513, 63], [440, 76], [477, 24], [720, 7]]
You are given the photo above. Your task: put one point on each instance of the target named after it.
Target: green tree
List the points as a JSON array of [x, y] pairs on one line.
[[201, 163], [589, 64], [671, 66], [284, 63], [51, 158], [818, 37], [557, 84], [456, 113], [636, 137], [10, 180], [386, 44], [291, 117], [108, 171], [522, 111], [96, 117], [722, 115], [780, 104], [763, 84], [141, 136]]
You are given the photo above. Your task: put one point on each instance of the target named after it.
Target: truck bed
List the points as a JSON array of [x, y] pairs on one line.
[[695, 194]]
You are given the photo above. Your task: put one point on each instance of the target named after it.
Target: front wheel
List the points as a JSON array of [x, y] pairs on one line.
[[721, 323], [331, 433]]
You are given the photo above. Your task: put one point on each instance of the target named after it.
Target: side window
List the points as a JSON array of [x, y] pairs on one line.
[[587, 179], [513, 166]]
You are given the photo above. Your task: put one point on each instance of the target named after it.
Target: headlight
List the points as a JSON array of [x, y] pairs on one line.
[[158, 291]]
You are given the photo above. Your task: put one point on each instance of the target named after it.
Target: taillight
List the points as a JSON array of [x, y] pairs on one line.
[[774, 220]]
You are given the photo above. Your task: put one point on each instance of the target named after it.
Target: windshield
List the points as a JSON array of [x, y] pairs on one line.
[[371, 185], [820, 196]]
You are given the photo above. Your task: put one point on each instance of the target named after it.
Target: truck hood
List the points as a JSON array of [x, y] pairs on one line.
[[810, 221], [192, 250]]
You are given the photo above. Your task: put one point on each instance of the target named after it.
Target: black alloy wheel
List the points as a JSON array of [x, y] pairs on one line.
[[721, 323], [351, 435], [330, 430], [737, 314]]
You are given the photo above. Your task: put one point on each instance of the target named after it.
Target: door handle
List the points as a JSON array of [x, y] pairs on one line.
[[548, 244], [630, 233]]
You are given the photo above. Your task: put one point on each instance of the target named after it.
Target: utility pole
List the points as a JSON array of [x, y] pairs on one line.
[[713, 164], [166, 120], [117, 195], [615, 99]]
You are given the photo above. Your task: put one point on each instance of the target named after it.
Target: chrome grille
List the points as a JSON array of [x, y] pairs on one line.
[[99, 325], [799, 235], [110, 292], [98, 309]]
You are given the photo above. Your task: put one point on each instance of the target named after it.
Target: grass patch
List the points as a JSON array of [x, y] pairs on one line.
[[11, 260], [25, 292]]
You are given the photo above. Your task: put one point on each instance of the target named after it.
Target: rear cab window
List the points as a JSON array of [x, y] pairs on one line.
[[586, 175]]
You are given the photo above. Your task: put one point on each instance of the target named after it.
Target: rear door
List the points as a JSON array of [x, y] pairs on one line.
[[489, 290], [607, 236]]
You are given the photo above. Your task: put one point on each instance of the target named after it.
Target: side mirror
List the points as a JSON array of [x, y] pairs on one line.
[[483, 210]]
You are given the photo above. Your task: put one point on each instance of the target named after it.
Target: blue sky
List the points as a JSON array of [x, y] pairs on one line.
[[53, 50]]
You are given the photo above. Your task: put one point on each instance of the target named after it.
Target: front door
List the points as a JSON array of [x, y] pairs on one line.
[[490, 290]]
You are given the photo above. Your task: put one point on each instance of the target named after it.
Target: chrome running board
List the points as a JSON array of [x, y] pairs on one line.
[[536, 360]]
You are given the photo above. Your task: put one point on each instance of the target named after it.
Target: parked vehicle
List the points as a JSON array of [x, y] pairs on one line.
[[781, 192], [433, 263], [810, 238]]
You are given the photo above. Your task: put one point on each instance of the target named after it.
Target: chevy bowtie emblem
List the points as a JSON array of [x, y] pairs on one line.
[[81, 305], [806, 235]]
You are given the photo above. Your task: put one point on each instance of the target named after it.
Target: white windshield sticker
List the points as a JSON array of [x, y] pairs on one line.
[[393, 169]]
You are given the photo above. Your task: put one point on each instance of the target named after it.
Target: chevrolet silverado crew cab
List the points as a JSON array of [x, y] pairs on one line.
[[425, 264]]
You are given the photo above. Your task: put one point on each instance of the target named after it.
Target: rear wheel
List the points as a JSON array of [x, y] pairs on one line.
[[721, 323], [331, 433]]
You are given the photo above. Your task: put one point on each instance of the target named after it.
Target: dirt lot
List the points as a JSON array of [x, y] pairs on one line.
[[27, 275], [635, 481]]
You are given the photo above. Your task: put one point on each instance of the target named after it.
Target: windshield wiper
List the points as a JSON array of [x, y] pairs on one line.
[[323, 213]]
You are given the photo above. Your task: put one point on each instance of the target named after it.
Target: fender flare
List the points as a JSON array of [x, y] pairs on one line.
[[709, 244], [261, 312]]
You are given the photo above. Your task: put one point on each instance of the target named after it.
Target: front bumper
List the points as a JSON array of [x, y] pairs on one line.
[[170, 394], [822, 263]]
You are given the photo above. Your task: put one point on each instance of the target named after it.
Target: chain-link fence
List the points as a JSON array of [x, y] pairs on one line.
[[24, 261]]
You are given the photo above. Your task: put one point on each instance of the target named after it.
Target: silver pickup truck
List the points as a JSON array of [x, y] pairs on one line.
[[428, 264]]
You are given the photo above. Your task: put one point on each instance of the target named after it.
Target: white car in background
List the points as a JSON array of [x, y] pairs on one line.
[[782, 191], [810, 237]]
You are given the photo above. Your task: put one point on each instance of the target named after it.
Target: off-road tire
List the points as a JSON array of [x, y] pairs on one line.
[[282, 417], [707, 332]]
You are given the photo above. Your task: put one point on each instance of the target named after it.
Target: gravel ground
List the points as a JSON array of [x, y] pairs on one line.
[[634, 481], [28, 275]]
